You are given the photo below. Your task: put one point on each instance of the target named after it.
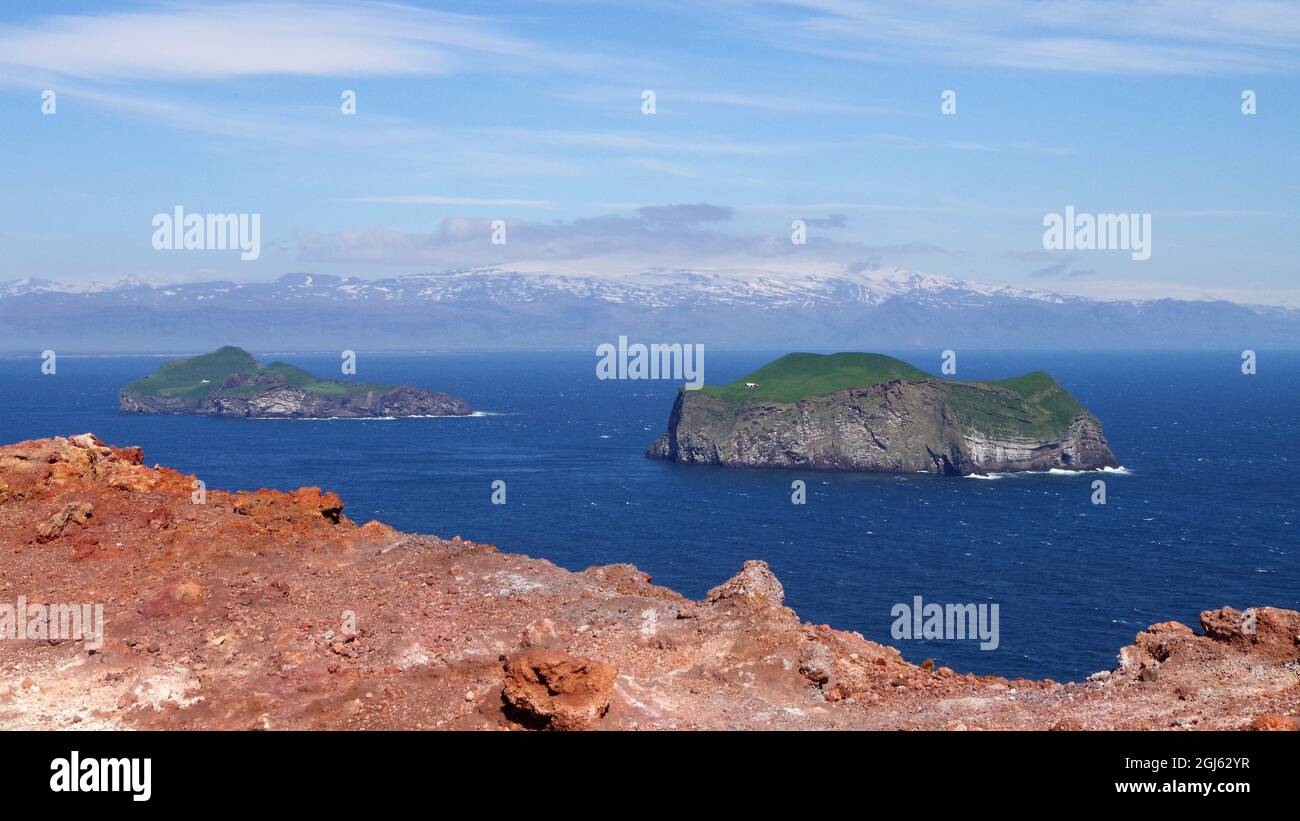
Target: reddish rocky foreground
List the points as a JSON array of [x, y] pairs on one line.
[[273, 610]]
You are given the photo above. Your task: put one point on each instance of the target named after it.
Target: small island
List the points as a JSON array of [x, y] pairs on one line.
[[230, 382], [869, 412]]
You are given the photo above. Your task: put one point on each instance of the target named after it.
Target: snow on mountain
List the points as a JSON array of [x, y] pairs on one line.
[[662, 288], [31, 285], [495, 308]]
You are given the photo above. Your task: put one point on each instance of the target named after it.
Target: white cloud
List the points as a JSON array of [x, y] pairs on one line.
[[206, 42], [1100, 36], [660, 236]]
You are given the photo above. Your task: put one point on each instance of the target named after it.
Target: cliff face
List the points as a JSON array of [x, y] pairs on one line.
[[230, 382], [271, 610], [271, 398], [924, 425], [131, 402]]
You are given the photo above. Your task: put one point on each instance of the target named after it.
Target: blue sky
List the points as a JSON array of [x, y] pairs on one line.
[[766, 112]]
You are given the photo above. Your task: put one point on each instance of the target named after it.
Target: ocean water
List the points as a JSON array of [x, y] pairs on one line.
[[1205, 514]]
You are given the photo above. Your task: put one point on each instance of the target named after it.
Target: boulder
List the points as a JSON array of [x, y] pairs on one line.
[[553, 690], [71, 513]]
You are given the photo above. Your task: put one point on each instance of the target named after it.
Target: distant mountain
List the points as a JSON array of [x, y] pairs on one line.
[[491, 308]]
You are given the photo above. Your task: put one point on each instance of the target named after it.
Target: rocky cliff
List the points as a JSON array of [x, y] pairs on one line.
[[229, 382], [276, 400], [271, 610], [915, 424]]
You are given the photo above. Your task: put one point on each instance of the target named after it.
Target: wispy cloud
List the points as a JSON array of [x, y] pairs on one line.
[[683, 235], [667, 97], [831, 221], [219, 41], [629, 141], [434, 199], [1095, 36], [1065, 269], [844, 205]]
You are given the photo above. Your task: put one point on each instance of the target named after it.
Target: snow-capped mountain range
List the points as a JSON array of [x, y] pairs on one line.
[[656, 287], [490, 308]]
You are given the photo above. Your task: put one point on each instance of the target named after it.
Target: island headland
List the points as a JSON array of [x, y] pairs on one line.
[[230, 382], [869, 412]]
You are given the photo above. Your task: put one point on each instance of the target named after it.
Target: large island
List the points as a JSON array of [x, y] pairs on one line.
[[868, 412], [230, 382]]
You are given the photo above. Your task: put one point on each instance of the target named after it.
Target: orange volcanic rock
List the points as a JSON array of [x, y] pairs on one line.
[[304, 508], [1275, 722], [558, 691], [72, 513], [174, 599], [266, 610]]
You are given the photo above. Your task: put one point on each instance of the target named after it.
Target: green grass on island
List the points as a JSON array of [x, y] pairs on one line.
[[198, 376], [798, 376], [1033, 404], [1030, 404]]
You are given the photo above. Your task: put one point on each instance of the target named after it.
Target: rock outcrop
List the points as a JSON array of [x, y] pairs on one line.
[[270, 610], [919, 425], [557, 691], [754, 583]]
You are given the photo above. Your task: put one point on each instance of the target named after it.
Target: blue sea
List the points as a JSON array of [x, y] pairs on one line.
[[1204, 515]]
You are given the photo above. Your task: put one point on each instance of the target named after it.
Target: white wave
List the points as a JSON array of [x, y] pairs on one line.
[[471, 415], [1120, 471]]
